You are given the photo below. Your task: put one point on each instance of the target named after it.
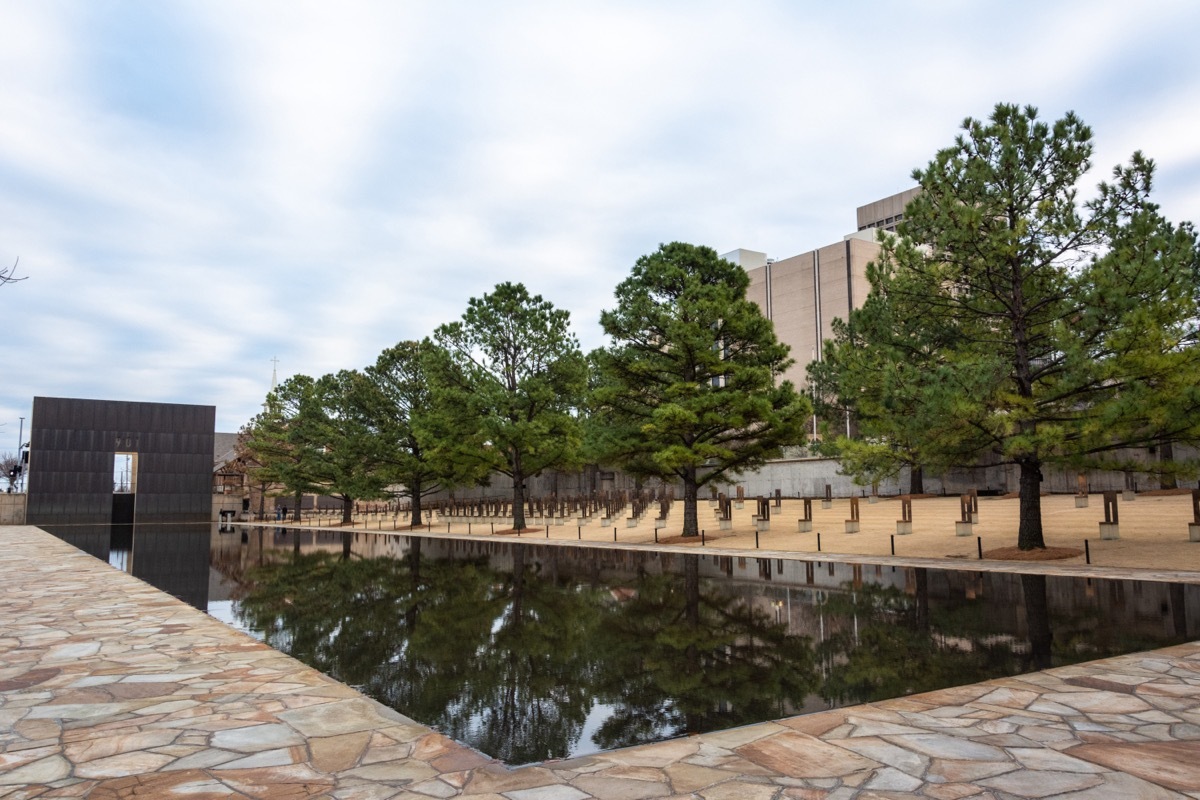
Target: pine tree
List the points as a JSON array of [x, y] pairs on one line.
[[689, 388], [1013, 321], [401, 403], [508, 381], [277, 443], [349, 455]]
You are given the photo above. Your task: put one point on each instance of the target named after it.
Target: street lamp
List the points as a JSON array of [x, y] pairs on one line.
[[20, 461]]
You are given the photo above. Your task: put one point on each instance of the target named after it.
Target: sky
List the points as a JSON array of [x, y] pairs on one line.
[[202, 193]]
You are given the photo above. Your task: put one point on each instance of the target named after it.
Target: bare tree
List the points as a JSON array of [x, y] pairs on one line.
[[10, 466], [9, 274]]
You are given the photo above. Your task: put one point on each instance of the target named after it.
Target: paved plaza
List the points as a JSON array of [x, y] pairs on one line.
[[112, 689]]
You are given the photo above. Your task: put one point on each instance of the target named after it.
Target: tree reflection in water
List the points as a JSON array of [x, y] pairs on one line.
[[682, 659], [542, 659], [513, 662], [896, 645]]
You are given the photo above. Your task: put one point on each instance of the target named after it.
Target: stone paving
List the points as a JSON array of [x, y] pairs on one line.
[[111, 689]]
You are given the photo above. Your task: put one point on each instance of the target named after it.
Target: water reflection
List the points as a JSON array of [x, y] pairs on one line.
[[529, 652], [514, 660], [682, 656], [171, 557]]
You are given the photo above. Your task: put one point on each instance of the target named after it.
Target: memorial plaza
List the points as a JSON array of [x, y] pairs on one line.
[[112, 689]]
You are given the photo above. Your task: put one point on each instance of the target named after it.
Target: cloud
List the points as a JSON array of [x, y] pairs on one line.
[[196, 188]]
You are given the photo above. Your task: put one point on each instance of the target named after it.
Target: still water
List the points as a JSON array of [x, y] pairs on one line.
[[529, 652]]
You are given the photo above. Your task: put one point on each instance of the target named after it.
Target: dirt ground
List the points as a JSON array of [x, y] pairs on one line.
[[1153, 530]]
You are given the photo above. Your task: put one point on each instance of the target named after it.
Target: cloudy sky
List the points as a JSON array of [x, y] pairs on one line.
[[196, 188]]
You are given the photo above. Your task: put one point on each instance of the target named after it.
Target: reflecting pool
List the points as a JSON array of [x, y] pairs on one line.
[[530, 652]]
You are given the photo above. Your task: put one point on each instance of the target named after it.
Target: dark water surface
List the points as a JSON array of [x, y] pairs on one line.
[[529, 652]]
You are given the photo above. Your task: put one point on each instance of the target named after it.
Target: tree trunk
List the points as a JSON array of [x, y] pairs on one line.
[[916, 480], [1037, 618], [922, 579], [690, 524], [518, 585], [415, 489], [691, 592], [518, 500], [1166, 452], [412, 613], [1179, 610], [347, 510], [299, 502], [1029, 535], [691, 599], [414, 561]]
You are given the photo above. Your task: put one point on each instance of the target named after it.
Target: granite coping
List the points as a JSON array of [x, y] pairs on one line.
[[112, 689]]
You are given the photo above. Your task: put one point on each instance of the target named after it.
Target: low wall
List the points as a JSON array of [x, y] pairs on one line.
[[226, 502], [12, 509], [807, 477]]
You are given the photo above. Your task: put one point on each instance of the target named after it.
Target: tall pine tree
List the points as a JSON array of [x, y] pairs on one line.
[[689, 387], [508, 380], [1009, 319]]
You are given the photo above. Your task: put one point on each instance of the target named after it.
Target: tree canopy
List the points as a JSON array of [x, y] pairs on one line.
[[1010, 320], [508, 380], [400, 404], [318, 436], [349, 455], [278, 444], [689, 388]]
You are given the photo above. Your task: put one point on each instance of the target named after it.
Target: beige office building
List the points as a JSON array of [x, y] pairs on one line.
[[803, 294]]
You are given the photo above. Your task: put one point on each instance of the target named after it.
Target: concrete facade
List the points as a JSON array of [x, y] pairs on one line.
[[803, 294], [807, 477], [12, 509], [885, 213]]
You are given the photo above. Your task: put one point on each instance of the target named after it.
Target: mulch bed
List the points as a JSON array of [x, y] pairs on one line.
[[708, 537]]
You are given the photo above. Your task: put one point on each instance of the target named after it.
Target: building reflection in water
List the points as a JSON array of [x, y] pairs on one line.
[[170, 557]]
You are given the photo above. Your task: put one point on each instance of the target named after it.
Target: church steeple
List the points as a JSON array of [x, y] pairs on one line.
[[274, 379]]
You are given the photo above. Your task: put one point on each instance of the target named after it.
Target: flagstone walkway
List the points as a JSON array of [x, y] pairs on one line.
[[111, 689]]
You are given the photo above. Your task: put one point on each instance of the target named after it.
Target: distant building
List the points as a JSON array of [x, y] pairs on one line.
[[229, 476], [803, 294]]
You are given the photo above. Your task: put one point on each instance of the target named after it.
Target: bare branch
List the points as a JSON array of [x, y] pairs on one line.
[[9, 274]]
